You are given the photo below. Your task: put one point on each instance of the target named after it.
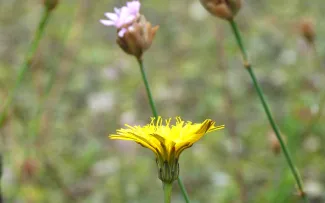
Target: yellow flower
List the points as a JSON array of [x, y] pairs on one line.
[[167, 141]]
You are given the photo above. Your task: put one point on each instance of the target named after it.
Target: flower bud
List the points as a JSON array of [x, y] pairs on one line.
[[307, 30], [225, 9], [50, 4], [138, 37], [168, 172], [29, 169]]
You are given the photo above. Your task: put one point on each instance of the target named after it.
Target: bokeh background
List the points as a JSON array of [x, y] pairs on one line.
[[55, 146]]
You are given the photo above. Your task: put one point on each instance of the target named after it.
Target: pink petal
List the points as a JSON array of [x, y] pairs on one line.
[[117, 10], [129, 19], [134, 7], [122, 32], [107, 22], [111, 16], [131, 28], [124, 17]]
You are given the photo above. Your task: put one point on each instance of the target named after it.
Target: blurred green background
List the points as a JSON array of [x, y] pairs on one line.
[[61, 153]]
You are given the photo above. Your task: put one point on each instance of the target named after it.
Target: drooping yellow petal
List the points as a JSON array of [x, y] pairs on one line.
[[142, 141]]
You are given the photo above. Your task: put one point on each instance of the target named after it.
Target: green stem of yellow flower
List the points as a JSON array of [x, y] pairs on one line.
[[27, 62], [154, 112], [167, 192], [259, 91]]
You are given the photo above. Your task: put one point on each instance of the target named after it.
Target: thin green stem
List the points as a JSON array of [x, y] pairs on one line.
[[267, 110], [167, 192], [144, 78], [34, 124], [155, 114], [23, 69], [184, 192], [27, 62], [1, 168]]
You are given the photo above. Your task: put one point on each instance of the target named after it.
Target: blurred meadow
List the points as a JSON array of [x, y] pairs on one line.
[[81, 87]]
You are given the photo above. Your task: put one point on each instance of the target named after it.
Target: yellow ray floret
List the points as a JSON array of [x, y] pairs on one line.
[[167, 141]]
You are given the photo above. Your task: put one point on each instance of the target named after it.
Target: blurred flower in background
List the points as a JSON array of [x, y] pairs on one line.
[[101, 102], [225, 9]]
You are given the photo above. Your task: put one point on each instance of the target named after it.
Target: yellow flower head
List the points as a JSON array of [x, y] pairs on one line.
[[167, 141]]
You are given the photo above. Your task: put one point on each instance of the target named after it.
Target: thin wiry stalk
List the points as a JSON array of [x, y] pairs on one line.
[[231, 121], [27, 63], [260, 93], [154, 112], [22, 72], [34, 124]]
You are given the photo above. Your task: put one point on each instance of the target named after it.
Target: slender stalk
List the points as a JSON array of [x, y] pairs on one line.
[[1, 162], [183, 189], [23, 69], [34, 124], [259, 91], [27, 62], [144, 78], [154, 112], [231, 122], [167, 192]]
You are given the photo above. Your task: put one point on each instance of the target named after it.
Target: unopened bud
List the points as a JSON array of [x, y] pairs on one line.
[[307, 30], [168, 172], [50, 4], [29, 169], [138, 37], [225, 9]]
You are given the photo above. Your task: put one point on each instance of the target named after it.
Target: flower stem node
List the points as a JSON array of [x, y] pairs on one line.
[[50, 4], [225, 9], [138, 37]]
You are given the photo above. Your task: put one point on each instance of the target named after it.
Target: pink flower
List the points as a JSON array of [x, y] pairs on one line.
[[123, 16]]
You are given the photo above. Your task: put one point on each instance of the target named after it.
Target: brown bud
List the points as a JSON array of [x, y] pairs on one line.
[[274, 143], [29, 169], [225, 9], [307, 30], [50, 4], [138, 37]]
